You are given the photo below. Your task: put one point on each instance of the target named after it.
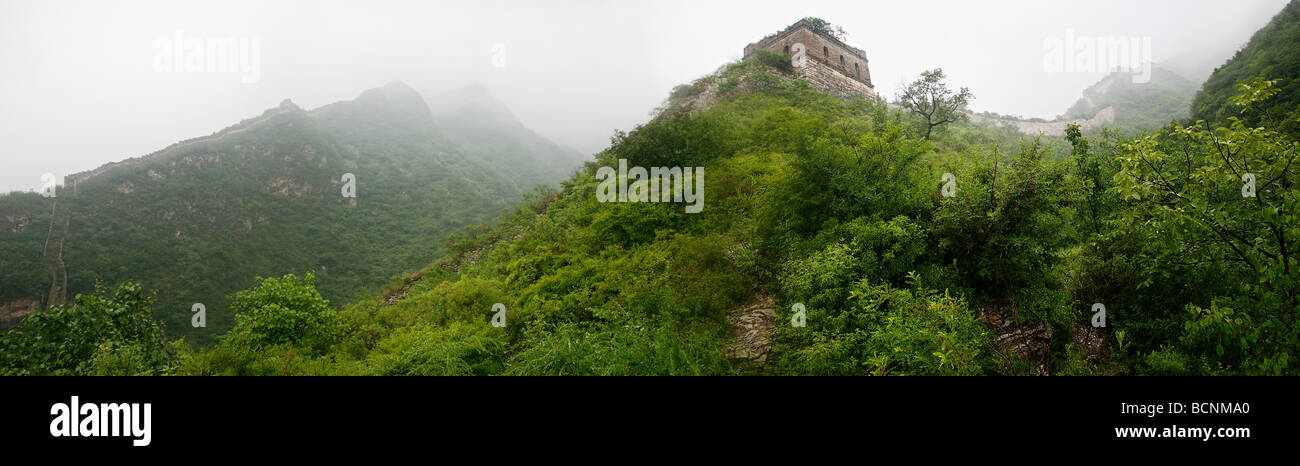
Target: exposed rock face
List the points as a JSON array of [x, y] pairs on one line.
[[1093, 343], [1031, 343], [753, 329], [13, 312], [17, 223]]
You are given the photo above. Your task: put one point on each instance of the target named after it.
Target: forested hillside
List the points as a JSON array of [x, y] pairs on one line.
[[1144, 106], [201, 219], [1274, 53]]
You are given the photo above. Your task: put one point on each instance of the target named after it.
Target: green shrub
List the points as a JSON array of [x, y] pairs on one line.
[[620, 350], [772, 59], [285, 310], [882, 330], [98, 333], [459, 349], [1004, 228]]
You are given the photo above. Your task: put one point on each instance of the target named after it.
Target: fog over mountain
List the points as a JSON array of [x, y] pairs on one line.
[[83, 85]]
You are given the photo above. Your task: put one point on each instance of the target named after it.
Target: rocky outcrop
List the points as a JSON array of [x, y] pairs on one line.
[[11, 313], [752, 332], [1031, 343], [1093, 343]]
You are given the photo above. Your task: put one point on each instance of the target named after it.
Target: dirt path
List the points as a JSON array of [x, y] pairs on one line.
[[752, 332]]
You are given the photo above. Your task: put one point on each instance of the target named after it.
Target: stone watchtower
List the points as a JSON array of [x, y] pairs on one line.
[[830, 65]]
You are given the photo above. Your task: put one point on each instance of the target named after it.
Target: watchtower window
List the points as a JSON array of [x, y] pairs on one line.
[[855, 69], [825, 52], [787, 50], [841, 61]]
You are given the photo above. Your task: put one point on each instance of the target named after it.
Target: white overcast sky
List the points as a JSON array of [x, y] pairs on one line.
[[78, 86]]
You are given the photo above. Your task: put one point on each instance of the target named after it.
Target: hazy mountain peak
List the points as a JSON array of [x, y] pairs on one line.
[[395, 93], [395, 90], [394, 104], [474, 99], [473, 118], [1164, 96]]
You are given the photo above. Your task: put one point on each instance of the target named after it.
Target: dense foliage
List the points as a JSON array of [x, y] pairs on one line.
[[102, 333]]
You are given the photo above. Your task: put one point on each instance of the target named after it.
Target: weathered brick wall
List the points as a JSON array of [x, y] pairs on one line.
[[832, 65], [833, 81]]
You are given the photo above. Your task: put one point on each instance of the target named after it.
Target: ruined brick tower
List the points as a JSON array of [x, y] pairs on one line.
[[831, 65]]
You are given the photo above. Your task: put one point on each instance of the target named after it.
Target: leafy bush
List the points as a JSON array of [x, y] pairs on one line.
[[772, 59], [458, 349], [1222, 206], [98, 333], [1002, 229], [620, 350], [882, 330], [285, 311]]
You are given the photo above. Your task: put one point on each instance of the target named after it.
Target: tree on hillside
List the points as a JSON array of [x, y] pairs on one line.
[[931, 98]]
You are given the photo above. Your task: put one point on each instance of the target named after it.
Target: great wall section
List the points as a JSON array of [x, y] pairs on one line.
[[1103, 116], [827, 62], [842, 70]]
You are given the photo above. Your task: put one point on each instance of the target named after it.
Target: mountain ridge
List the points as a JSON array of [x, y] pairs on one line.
[[255, 185]]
